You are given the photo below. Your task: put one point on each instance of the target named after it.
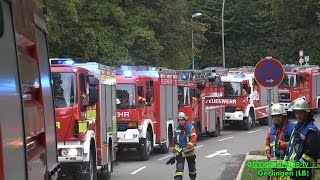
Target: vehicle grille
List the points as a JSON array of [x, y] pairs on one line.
[[230, 109], [122, 126], [284, 97]]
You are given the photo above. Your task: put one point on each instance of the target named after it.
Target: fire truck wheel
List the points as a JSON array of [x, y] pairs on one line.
[[146, 148], [165, 148], [90, 167], [263, 122], [110, 163], [248, 121], [197, 126]]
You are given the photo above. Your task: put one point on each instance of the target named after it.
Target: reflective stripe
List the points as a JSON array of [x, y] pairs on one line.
[[308, 158], [193, 173], [193, 134], [91, 114], [177, 148], [178, 130], [83, 126], [267, 148], [273, 143], [179, 173]]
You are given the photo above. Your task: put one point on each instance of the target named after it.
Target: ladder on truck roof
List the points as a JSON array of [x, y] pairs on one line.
[[294, 67], [195, 76]]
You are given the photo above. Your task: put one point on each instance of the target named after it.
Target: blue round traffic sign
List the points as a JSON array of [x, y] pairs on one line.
[[269, 72]]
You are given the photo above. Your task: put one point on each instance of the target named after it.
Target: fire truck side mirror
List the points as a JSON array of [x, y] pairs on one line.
[[93, 81], [1, 21], [93, 95]]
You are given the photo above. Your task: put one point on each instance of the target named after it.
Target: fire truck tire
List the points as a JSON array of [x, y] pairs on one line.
[[197, 126], [110, 163], [249, 121], [146, 148], [164, 149], [263, 122], [104, 175], [90, 167]]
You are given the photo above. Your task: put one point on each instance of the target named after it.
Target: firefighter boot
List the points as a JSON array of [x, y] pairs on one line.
[[179, 168]]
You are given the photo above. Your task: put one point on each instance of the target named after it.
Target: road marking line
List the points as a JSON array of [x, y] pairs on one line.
[[226, 138], [165, 157], [134, 172], [220, 153], [254, 131], [198, 146]]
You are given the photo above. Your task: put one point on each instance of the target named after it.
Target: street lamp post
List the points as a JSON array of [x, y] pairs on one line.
[[193, 16], [222, 25]]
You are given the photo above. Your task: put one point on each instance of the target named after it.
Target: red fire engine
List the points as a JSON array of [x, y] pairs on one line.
[[27, 136], [300, 81], [85, 108], [146, 110], [193, 89], [243, 98]]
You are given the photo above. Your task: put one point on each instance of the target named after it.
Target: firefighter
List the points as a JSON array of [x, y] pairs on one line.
[[304, 145], [185, 139], [278, 135]]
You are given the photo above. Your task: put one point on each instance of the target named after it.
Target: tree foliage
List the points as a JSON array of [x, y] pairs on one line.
[[117, 32]]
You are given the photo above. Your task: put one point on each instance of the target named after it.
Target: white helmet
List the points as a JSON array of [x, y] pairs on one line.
[[182, 115], [301, 104], [277, 109]]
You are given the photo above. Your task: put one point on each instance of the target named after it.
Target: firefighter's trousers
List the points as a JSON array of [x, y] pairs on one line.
[[180, 167]]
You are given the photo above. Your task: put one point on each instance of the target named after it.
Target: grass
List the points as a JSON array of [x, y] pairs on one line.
[[252, 174], [257, 152]]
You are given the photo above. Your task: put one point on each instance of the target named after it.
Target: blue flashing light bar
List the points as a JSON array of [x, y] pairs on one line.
[[62, 62], [241, 75], [127, 73]]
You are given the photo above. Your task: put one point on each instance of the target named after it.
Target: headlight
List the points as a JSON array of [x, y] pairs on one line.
[[71, 152]]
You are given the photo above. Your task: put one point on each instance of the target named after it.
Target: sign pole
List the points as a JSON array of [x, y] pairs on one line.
[[269, 106]]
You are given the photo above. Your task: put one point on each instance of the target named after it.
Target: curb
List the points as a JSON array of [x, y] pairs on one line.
[[249, 157]]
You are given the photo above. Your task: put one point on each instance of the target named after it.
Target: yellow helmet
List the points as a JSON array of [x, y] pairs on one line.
[[277, 109], [182, 115], [301, 104]]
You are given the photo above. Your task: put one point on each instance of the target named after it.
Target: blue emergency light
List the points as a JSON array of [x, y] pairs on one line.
[[241, 75], [62, 61], [127, 73]]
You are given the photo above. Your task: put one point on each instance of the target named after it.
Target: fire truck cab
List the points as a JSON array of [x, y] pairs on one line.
[[194, 87], [244, 99], [85, 108], [300, 81], [146, 110], [28, 148]]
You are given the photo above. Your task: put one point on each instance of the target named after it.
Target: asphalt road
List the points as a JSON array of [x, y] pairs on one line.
[[217, 158]]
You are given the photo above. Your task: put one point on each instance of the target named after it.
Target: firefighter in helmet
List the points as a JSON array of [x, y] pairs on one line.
[[278, 135], [185, 139], [304, 144]]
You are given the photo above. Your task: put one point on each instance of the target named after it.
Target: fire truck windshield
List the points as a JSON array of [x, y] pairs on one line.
[[184, 97], [64, 89], [126, 95], [289, 81], [232, 89]]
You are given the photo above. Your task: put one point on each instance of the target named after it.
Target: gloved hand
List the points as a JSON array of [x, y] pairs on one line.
[[268, 154], [189, 146], [171, 161]]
